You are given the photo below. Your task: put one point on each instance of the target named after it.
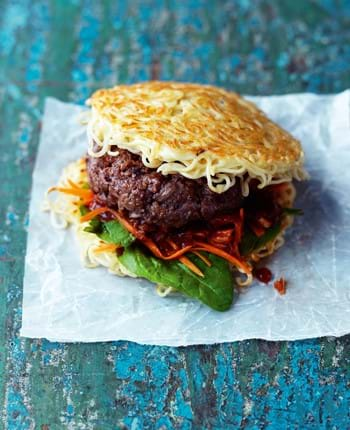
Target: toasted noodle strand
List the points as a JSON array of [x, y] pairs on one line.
[[237, 141]]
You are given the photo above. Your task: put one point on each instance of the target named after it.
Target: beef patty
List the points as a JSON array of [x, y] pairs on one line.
[[153, 200]]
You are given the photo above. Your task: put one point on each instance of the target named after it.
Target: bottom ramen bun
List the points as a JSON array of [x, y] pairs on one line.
[[185, 185]]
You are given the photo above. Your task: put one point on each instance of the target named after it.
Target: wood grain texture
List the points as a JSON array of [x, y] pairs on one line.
[[67, 49]]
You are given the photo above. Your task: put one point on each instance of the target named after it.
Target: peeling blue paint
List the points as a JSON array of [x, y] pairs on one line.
[[37, 49], [256, 47], [15, 17], [89, 33], [17, 412], [11, 218]]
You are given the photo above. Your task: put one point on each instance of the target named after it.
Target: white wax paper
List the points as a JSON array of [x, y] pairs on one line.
[[65, 301]]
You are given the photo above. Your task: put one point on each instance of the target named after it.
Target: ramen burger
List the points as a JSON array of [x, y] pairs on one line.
[[185, 185]]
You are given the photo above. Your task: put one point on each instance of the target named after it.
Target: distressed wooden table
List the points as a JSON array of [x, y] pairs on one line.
[[67, 49]]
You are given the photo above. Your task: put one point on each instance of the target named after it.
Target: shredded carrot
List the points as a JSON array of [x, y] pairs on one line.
[[131, 229], [178, 254], [188, 263], [172, 244], [85, 195], [73, 184], [203, 258], [148, 242], [156, 251], [92, 214], [201, 246], [106, 247]]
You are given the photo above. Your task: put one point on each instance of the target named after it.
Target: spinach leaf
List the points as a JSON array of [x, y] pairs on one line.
[[95, 225], [114, 232], [215, 289], [250, 242], [109, 231]]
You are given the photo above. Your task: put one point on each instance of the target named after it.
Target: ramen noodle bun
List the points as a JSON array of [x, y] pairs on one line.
[[194, 130], [181, 182]]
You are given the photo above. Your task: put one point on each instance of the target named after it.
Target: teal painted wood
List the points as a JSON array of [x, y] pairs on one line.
[[67, 49]]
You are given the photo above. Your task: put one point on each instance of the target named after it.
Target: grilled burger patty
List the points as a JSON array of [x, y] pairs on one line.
[[153, 200]]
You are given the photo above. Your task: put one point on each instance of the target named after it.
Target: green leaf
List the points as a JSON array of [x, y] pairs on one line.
[[109, 231], [114, 232], [293, 211], [215, 289], [83, 210], [269, 235], [250, 242], [94, 226]]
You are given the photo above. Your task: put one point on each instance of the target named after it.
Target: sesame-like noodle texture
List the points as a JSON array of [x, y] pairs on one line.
[[196, 131]]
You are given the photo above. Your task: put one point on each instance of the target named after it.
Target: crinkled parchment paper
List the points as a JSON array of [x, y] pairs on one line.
[[67, 302]]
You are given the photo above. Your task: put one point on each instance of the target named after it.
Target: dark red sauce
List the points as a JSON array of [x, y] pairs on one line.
[[119, 251], [263, 274], [280, 285]]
